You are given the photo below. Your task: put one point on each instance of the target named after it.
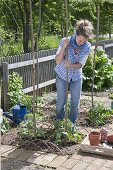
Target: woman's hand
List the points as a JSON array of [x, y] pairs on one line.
[[67, 63], [66, 42]]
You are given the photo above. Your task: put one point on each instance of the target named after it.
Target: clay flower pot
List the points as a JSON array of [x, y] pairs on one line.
[[110, 138], [104, 133], [94, 138]]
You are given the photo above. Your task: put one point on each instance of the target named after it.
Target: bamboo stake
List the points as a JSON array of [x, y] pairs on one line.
[[66, 105], [97, 34], [37, 39], [33, 56]]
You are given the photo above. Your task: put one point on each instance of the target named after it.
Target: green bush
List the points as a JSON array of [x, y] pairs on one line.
[[98, 115], [56, 133], [5, 126], [16, 92], [103, 72]]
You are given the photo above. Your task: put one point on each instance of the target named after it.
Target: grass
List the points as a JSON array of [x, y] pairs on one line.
[[52, 41]]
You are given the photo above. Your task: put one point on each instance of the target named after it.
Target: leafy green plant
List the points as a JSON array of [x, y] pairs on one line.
[[5, 126], [16, 93], [98, 115], [103, 72], [56, 133], [27, 127], [59, 133]]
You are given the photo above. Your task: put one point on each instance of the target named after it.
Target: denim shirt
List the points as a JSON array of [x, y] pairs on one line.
[[80, 57]]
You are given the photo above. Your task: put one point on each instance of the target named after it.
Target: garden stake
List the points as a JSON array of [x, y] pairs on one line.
[[33, 55], [66, 105], [36, 51], [97, 34]]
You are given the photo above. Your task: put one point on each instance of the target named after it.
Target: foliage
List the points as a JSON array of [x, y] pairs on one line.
[[10, 49], [43, 44], [16, 93], [15, 18], [60, 134], [5, 126], [98, 114], [56, 133], [103, 71]]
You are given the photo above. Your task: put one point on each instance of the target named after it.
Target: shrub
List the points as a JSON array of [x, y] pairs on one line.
[[98, 114], [5, 126], [103, 71], [16, 93]]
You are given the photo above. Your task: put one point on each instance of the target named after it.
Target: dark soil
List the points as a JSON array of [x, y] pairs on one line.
[[12, 137]]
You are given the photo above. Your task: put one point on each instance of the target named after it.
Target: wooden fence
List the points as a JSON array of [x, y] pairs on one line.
[[22, 64]]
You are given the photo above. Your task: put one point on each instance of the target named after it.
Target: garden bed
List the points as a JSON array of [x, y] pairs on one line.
[[12, 137]]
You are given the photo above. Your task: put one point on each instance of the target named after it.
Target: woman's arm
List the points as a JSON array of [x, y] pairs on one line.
[[60, 56]]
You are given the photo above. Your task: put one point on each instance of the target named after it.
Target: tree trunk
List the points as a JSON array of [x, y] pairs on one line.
[[110, 29], [25, 24], [39, 26]]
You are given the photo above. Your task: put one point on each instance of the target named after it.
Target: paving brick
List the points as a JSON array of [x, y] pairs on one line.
[[108, 163], [99, 161], [7, 153], [61, 168], [46, 159], [14, 154], [87, 159], [94, 167], [105, 168], [5, 148], [80, 166], [25, 155], [35, 158], [57, 161], [76, 156], [69, 163]]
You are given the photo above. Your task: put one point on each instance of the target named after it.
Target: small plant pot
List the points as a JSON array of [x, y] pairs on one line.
[[94, 138], [110, 138], [104, 133]]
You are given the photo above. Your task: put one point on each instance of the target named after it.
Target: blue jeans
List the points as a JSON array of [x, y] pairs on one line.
[[75, 90]]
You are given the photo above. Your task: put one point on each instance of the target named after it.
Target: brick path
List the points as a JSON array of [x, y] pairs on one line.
[[78, 161]]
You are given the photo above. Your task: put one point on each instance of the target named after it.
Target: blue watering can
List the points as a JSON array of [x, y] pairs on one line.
[[17, 113]]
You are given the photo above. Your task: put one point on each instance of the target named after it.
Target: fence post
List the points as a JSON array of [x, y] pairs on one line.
[[0, 84], [0, 116], [5, 84]]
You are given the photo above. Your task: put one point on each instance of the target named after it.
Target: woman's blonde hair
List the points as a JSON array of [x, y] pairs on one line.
[[84, 28]]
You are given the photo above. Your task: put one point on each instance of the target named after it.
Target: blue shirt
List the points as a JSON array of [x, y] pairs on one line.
[[80, 57]]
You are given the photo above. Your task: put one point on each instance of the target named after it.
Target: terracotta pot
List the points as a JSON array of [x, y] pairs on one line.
[[104, 133], [110, 138], [94, 138]]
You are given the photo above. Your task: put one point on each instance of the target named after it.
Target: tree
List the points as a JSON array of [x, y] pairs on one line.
[[23, 7]]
